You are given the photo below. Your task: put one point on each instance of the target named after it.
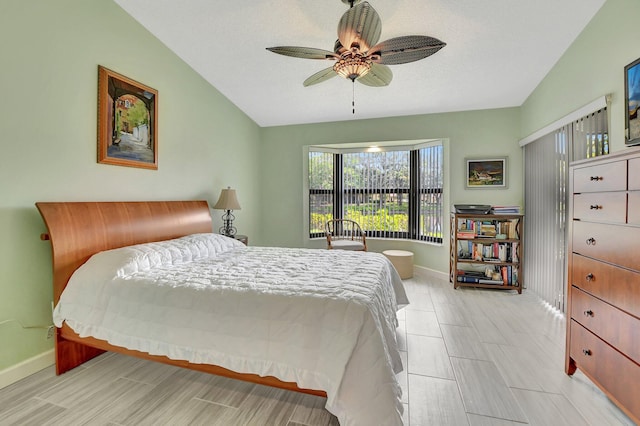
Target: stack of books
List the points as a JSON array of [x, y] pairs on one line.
[[488, 230], [506, 209], [476, 277], [466, 234]]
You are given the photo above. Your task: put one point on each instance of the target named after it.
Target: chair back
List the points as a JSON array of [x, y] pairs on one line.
[[345, 234]]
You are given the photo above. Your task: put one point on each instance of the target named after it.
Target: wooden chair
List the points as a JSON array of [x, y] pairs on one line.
[[345, 234]]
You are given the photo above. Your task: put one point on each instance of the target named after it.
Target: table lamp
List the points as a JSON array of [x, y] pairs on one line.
[[229, 202]]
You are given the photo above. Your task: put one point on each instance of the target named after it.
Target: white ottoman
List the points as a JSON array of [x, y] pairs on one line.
[[402, 260]]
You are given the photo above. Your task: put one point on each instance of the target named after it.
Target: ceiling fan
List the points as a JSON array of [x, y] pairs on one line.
[[358, 54]]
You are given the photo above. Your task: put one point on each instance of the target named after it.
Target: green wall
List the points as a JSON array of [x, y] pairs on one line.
[[592, 67], [50, 54], [472, 134], [50, 51]]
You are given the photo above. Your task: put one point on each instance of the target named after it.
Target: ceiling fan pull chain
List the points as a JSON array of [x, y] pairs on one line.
[[353, 96]]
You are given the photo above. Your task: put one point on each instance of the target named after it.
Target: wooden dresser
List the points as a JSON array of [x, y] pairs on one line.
[[603, 330]]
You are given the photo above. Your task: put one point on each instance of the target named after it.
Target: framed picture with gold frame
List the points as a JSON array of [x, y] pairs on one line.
[[127, 121]]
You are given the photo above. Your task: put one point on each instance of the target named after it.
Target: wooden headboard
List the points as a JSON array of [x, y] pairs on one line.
[[78, 230]]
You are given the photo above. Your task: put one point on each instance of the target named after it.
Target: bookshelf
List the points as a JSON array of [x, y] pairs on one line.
[[486, 251]]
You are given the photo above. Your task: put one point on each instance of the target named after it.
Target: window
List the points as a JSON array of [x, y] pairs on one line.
[[320, 191], [392, 192], [590, 135], [546, 186]]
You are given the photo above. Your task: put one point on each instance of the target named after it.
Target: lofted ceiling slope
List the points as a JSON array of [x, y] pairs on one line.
[[497, 52]]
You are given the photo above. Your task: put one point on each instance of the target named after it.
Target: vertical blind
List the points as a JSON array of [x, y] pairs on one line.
[[376, 191], [430, 201], [591, 136], [321, 168], [392, 192], [546, 200], [545, 222]]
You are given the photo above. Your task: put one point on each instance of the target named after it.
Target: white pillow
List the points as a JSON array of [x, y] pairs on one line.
[[124, 261], [143, 257]]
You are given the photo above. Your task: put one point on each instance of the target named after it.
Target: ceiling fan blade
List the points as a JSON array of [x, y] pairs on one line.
[[303, 52], [320, 76], [360, 26], [401, 50], [378, 76]]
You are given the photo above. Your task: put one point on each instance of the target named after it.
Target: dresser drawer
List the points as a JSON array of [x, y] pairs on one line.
[[633, 208], [619, 329], [603, 177], [611, 243], [613, 371], [634, 174], [601, 206], [617, 286]]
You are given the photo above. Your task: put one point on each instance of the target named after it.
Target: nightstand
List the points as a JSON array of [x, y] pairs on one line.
[[242, 238]]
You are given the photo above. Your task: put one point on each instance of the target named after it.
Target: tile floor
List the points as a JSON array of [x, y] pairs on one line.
[[472, 357]]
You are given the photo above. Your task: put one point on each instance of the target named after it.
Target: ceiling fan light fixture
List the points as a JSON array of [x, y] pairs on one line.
[[352, 65], [358, 53]]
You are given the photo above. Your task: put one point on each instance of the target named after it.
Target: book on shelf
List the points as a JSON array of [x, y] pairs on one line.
[[471, 273], [488, 281], [514, 252], [465, 234], [502, 252], [476, 277], [488, 230], [477, 280], [509, 276], [506, 209]]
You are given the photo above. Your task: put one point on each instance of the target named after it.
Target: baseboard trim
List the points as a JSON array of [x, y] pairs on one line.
[[26, 368], [431, 272]]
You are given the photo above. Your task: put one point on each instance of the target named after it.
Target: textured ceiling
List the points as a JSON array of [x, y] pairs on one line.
[[497, 52]]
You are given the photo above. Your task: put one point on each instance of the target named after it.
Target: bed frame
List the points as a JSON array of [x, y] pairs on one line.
[[78, 230]]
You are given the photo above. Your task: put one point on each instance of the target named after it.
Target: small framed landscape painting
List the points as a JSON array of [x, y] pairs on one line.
[[486, 172], [632, 98], [127, 121]]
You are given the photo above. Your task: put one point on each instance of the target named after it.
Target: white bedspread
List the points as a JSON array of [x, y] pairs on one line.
[[324, 319]]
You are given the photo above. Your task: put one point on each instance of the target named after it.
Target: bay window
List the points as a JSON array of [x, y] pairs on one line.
[[392, 191]]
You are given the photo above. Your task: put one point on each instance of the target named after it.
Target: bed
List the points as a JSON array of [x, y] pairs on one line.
[[220, 307]]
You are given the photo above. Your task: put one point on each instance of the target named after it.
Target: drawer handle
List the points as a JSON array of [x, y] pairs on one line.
[[591, 241], [595, 207], [587, 352], [588, 313], [589, 277], [595, 178]]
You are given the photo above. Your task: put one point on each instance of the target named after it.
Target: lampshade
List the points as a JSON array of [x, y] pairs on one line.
[[227, 200]]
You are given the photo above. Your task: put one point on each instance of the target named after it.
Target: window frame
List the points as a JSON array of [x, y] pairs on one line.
[[415, 193]]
